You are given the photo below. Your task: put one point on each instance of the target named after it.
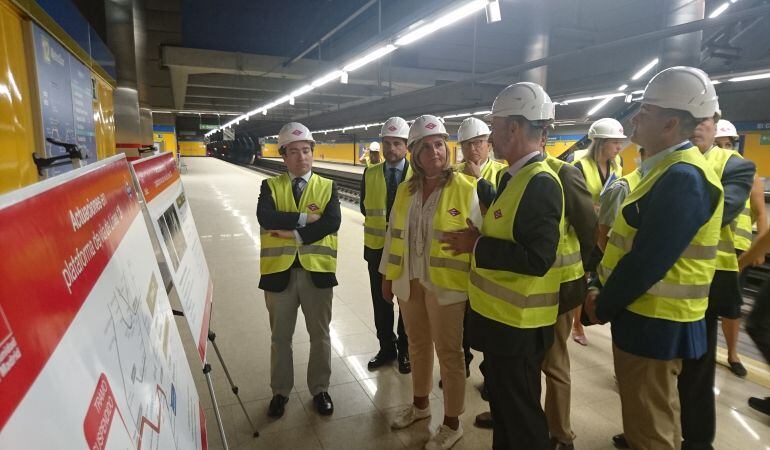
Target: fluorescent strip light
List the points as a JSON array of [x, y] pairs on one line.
[[599, 106], [485, 112], [369, 57], [760, 76], [638, 92], [645, 69], [327, 78], [420, 31], [719, 10], [623, 87], [454, 116], [588, 99], [303, 90], [715, 82]]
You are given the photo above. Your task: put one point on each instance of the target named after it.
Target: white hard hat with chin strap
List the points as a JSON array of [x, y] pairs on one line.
[[395, 127], [293, 132], [525, 99], [607, 128], [472, 128], [683, 88], [423, 126], [726, 129]]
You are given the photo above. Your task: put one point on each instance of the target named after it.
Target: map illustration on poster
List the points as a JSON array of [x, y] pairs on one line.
[[66, 95], [92, 358], [161, 186]]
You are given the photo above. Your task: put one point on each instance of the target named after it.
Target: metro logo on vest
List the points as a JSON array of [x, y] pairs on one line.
[[498, 214], [453, 212], [312, 207]]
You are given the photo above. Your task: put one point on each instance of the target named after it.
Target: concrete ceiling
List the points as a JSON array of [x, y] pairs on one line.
[[450, 70]]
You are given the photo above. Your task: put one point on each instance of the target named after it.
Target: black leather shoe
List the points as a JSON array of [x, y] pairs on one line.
[[484, 420], [737, 369], [380, 359], [404, 365], [276, 408], [323, 404], [760, 404], [619, 441]]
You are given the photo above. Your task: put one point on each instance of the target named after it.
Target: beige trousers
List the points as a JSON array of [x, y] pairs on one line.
[[429, 324], [557, 381], [649, 400]]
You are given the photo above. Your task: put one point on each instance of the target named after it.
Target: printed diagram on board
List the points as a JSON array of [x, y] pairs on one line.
[[146, 379]]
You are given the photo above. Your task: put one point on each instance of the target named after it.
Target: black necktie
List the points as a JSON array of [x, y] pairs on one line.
[[503, 183], [296, 188], [392, 187]]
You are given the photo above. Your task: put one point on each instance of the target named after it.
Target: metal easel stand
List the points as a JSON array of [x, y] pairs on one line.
[[207, 373]]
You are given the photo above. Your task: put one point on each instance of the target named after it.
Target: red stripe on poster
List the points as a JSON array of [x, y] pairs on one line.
[[205, 324], [155, 174], [56, 244]]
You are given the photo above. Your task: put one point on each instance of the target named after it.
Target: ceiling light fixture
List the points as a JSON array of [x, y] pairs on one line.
[[369, 57], [599, 106], [719, 10], [645, 69], [623, 87], [760, 76], [493, 11], [422, 28], [327, 78]]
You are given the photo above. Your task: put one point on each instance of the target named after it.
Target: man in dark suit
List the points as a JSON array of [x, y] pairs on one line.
[[299, 215], [378, 190], [513, 293]]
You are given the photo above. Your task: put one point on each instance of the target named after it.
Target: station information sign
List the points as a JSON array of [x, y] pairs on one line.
[[161, 186], [90, 356]]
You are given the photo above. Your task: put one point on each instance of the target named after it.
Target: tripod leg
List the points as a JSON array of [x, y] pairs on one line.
[[206, 370], [212, 338]]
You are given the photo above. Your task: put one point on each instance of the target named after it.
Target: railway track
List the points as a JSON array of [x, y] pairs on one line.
[[348, 184]]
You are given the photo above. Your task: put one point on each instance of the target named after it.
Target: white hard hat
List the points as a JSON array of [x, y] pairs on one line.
[[726, 129], [472, 128], [395, 127], [606, 128], [426, 125], [524, 99], [374, 146], [293, 132], [683, 88]]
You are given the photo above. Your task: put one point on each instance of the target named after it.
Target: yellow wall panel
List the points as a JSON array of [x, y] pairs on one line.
[[104, 125], [758, 153], [166, 139], [343, 153], [270, 151], [17, 169], [192, 148]]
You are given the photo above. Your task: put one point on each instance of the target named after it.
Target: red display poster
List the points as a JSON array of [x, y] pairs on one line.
[[161, 186], [90, 356]]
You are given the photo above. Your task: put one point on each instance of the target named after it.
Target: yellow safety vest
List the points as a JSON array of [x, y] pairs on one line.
[[591, 175], [278, 254], [375, 205], [743, 228], [517, 300], [489, 172], [682, 294], [726, 258], [568, 259], [633, 179], [445, 269]]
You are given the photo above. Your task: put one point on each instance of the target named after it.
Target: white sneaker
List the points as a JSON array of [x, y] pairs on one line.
[[445, 438], [409, 415]]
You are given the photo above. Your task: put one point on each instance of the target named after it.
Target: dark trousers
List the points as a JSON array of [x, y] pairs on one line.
[[513, 384], [383, 316], [758, 322], [696, 392]]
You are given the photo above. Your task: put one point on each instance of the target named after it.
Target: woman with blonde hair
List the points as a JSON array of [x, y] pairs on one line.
[[600, 165], [431, 283]]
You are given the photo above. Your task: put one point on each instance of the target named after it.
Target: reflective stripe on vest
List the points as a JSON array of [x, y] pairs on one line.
[[726, 257], [591, 174], [743, 229], [445, 270], [375, 204], [514, 299], [682, 294], [278, 254], [569, 261]]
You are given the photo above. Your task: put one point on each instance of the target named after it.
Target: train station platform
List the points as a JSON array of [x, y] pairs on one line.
[[223, 198]]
